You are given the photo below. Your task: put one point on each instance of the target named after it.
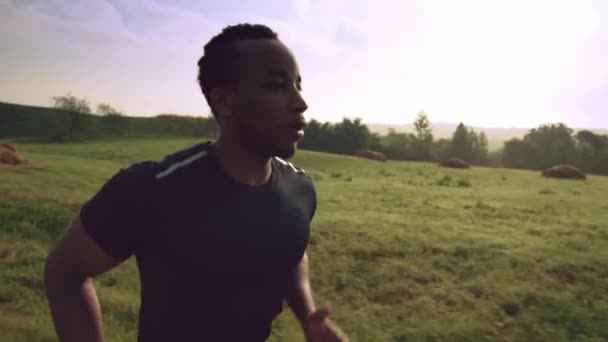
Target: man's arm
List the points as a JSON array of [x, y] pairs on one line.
[[68, 273], [315, 323], [299, 293]]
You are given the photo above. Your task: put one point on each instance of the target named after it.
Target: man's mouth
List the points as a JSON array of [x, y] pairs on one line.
[[296, 131]]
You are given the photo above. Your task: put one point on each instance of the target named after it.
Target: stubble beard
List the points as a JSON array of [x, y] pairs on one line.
[[252, 142], [260, 145]]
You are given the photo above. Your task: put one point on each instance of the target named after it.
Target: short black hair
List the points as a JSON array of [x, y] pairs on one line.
[[217, 66]]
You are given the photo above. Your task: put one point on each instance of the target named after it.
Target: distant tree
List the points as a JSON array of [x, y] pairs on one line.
[[462, 144], [106, 109], [542, 147], [375, 142], [71, 103], [113, 121], [317, 136], [517, 153], [586, 149], [495, 158], [592, 152], [351, 136], [601, 162], [441, 149], [75, 110], [424, 137], [480, 147], [346, 137], [469, 145], [551, 145], [399, 146]]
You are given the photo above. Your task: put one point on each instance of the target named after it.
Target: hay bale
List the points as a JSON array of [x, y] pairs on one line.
[[7, 146], [564, 171], [9, 156], [455, 163], [374, 155]]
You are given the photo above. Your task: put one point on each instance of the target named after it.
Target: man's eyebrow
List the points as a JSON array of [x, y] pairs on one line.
[[278, 72], [283, 74]]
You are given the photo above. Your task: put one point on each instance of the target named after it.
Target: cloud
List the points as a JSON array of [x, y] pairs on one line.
[[584, 92], [143, 69], [301, 7], [347, 33], [165, 22]]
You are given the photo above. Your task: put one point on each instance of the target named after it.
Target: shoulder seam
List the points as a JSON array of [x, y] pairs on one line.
[[296, 169], [180, 164]]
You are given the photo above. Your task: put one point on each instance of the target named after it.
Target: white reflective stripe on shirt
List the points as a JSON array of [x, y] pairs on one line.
[[181, 164], [289, 164]]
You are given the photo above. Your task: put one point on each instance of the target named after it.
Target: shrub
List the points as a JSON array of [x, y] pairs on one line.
[[464, 183], [445, 181], [386, 173], [483, 206]]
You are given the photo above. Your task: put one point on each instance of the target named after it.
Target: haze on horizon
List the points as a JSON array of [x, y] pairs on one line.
[[486, 63]]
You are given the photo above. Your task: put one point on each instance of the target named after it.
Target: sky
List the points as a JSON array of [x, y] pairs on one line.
[[488, 63]]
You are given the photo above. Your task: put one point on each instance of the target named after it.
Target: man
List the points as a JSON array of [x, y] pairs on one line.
[[219, 230]]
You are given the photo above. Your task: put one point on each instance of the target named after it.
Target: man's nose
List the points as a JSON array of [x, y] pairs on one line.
[[299, 104]]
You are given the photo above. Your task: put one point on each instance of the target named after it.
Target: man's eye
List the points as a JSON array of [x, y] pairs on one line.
[[276, 85], [280, 85]]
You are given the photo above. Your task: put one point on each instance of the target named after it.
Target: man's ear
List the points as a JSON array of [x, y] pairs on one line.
[[223, 101]]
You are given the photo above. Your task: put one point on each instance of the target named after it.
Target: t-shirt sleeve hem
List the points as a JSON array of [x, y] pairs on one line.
[[101, 241]]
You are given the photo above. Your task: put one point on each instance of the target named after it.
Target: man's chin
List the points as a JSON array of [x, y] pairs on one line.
[[286, 152]]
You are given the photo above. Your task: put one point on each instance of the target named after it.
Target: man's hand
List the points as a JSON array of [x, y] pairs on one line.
[[319, 328]]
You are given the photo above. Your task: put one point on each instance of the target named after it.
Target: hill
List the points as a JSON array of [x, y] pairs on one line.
[[43, 122], [403, 251], [21, 121]]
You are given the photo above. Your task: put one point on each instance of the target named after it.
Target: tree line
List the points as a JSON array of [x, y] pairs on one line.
[[352, 137], [552, 144], [74, 118], [542, 147]]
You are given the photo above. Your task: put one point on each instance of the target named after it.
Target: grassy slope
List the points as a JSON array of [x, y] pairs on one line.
[[401, 258]]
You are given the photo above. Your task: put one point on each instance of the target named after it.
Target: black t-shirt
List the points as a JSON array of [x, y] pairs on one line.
[[213, 254]]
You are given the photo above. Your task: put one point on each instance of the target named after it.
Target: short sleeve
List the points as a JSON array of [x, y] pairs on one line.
[[115, 215], [312, 198]]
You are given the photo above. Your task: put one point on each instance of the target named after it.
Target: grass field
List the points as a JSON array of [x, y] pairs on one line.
[[403, 251]]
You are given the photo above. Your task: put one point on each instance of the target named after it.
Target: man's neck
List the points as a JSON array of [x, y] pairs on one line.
[[243, 166]]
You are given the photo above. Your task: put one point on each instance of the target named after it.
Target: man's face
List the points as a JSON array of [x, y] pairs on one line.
[[267, 108]]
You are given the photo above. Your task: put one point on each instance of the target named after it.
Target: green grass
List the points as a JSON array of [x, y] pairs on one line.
[[402, 251]]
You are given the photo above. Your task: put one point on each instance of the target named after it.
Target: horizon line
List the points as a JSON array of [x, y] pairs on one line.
[[388, 125]]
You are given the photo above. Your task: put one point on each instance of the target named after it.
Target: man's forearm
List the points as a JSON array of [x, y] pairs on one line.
[[74, 307], [299, 292]]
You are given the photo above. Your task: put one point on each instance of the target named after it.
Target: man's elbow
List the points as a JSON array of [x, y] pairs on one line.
[[52, 271], [57, 273]]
